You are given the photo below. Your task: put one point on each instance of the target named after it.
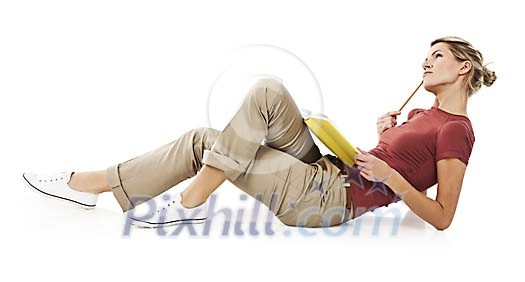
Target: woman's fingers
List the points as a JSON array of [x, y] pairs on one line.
[[361, 165], [364, 167], [386, 125], [392, 123], [390, 119], [391, 114], [364, 161], [387, 121], [365, 174]]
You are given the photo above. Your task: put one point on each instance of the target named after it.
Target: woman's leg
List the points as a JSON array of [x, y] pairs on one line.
[[148, 175], [278, 168], [299, 194], [287, 173], [207, 180], [154, 172], [90, 181], [268, 115], [278, 125]]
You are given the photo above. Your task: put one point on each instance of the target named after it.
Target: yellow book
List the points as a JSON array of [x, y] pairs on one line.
[[322, 127]]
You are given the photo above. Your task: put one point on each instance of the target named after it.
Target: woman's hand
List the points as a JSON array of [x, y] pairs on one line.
[[373, 168], [387, 121]]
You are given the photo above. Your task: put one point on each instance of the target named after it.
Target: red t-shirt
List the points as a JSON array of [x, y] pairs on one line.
[[413, 149]]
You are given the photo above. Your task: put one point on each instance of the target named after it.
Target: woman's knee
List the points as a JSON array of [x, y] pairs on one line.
[[204, 130], [269, 90], [204, 136], [269, 82]]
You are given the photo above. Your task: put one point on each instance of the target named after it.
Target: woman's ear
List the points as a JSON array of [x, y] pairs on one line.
[[465, 67]]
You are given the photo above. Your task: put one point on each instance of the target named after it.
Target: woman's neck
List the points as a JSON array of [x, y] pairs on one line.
[[451, 102]]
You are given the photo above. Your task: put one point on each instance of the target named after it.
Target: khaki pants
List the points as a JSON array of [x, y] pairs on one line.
[[266, 150]]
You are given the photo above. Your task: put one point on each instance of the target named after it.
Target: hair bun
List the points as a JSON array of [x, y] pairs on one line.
[[488, 76]]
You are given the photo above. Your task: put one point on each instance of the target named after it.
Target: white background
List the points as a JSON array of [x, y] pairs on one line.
[[86, 84]]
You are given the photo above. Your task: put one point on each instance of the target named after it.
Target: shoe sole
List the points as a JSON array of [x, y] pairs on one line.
[[54, 197], [145, 224]]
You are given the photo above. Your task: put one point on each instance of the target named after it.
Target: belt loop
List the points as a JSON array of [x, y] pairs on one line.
[[337, 162]]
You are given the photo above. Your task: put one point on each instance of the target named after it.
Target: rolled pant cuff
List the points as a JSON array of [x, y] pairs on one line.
[[116, 188], [232, 169]]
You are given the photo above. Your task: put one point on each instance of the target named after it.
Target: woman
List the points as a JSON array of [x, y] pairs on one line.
[[267, 151]]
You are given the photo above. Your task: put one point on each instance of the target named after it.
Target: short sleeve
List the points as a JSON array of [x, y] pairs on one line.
[[455, 139], [413, 112]]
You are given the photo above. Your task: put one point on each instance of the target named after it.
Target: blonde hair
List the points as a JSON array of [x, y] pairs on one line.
[[464, 51]]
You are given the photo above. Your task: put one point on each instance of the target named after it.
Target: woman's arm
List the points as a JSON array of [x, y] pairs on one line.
[[440, 212]]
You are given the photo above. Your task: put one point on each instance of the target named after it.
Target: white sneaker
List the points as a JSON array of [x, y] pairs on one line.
[[172, 213], [56, 186]]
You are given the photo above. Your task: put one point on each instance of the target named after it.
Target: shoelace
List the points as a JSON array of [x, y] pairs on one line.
[[163, 207], [52, 178]]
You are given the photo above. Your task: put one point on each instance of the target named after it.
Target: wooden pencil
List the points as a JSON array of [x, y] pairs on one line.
[[410, 97]]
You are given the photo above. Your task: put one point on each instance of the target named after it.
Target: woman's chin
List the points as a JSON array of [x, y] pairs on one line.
[[429, 88]]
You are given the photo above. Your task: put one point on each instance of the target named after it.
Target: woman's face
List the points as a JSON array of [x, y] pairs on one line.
[[441, 68]]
